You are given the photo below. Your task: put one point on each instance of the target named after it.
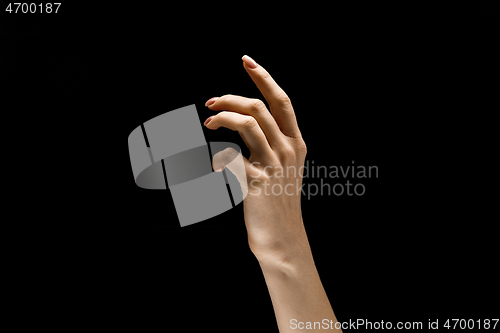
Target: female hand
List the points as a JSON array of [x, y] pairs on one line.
[[273, 177]]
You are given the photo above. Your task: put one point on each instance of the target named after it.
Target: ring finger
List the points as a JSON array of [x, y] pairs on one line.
[[247, 126], [253, 107]]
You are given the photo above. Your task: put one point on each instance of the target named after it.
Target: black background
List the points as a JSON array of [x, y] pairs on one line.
[[404, 87]]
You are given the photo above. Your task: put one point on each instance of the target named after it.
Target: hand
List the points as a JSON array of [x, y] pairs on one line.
[[272, 175], [274, 169]]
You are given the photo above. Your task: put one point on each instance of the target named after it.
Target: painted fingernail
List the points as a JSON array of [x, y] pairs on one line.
[[249, 62], [209, 119], [211, 101]]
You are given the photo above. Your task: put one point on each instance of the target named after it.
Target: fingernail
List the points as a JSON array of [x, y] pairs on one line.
[[249, 62], [211, 101], [209, 119]]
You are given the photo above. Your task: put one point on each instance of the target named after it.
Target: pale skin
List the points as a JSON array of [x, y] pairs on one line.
[[276, 233]]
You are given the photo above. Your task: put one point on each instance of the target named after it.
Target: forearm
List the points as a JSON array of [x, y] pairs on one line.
[[296, 290], [271, 181]]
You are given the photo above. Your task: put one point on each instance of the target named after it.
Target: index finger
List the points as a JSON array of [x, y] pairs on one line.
[[278, 100]]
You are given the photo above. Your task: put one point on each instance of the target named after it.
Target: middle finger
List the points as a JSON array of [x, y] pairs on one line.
[[252, 107]]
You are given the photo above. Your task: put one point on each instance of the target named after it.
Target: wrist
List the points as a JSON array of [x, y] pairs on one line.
[[281, 243], [288, 258]]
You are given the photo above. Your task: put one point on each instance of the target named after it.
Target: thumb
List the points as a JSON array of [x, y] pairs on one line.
[[236, 163]]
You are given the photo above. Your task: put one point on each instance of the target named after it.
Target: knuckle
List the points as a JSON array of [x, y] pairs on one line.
[[257, 105], [249, 123], [302, 147], [287, 153], [283, 99], [292, 150]]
